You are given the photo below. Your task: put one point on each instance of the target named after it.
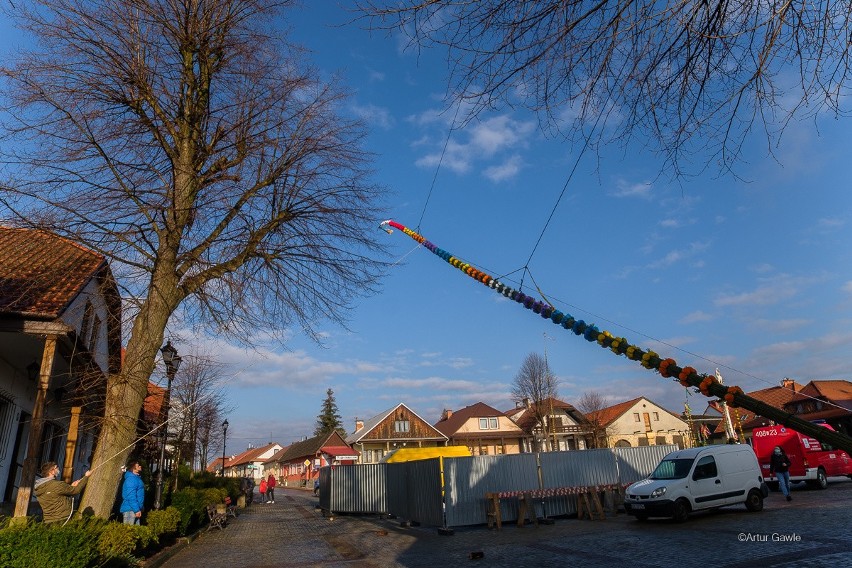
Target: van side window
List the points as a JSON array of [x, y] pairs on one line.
[[705, 468]]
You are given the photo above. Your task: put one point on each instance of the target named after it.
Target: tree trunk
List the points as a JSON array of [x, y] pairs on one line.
[[124, 398]]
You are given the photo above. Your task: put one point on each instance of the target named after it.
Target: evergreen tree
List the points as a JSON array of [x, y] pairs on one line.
[[329, 419]]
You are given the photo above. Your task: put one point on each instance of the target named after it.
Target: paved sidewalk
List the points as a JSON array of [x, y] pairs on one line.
[[815, 529]]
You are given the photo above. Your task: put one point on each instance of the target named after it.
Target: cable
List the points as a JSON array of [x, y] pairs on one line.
[[438, 167]]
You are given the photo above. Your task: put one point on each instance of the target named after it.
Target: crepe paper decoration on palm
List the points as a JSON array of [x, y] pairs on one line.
[[687, 376]]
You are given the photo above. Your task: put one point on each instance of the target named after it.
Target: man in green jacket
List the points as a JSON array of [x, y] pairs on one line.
[[56, 496]]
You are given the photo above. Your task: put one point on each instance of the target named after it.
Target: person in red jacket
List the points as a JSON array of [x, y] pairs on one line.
[[270, 488], [262, 490]]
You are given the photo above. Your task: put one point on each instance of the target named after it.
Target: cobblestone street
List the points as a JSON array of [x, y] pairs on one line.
[[815, 529]]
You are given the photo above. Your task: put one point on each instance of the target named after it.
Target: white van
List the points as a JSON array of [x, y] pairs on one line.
[[698, 478]]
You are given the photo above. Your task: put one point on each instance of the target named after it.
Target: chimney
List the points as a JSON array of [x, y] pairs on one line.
[[788, 384], [526, 403], [446, 415], [358, 424]]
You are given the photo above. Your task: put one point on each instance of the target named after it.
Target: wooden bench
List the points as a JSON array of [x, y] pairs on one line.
[[217, 519]]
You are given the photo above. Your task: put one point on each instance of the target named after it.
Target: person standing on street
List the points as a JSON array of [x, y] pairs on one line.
[[263, 490], [779, 464], [132, 494], [270, 489], [55, 496]]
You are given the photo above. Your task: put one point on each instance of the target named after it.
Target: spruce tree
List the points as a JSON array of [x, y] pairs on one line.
[[329, 419]]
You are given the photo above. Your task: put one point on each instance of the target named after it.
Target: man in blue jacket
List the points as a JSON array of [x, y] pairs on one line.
[[132, 494]]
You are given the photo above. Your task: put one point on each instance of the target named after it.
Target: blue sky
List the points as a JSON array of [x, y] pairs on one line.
[[751, 275]]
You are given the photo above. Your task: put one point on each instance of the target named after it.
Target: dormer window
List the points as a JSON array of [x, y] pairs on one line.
[[488, 424]]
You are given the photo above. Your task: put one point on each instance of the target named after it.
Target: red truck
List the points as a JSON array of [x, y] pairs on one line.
[[810, 460]]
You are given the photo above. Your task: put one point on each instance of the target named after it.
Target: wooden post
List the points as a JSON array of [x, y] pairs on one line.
[[22, 504], [71, 444]]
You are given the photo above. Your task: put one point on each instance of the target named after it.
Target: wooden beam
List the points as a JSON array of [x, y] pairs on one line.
[[71, 444], [25, 488]]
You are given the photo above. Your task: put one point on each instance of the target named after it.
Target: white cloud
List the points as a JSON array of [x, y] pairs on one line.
[[675, 256], [696, 316], [761, 296], [623, 188], [780, 325], [762, 268], [847, 287], [830, 223], [485, 140], [375, 115], [510, 168]]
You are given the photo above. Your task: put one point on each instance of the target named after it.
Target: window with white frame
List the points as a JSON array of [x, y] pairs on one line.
[[401, 426], [488, 424]]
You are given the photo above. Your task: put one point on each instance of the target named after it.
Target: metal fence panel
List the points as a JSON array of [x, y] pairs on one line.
[[425, 504], [358, 489], [637, 463], [467, 480], [573, 469]]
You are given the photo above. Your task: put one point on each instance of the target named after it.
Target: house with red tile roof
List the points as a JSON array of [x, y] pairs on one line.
[[551, 425], [249, 463], [484, 430], [641, 422], [397, 427], [298, 464], [60, 337], [828, 400], [744, 421]]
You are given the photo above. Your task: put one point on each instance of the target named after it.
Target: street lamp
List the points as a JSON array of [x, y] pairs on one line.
[[224, 439], [172, 360]]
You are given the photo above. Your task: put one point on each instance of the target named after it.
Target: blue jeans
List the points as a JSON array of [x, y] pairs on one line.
[[783, 482], [130, 518]]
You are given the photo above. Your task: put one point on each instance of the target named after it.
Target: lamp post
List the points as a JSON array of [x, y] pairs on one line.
[[172, 360], [224, 439]]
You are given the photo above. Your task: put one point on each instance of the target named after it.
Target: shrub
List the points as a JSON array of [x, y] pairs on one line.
[[118, 540], [190, 504], [163, 522], [36, 545]]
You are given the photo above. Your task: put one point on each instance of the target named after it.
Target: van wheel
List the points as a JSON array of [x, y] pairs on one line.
[[821, 480], [754, 501], [681, 510]]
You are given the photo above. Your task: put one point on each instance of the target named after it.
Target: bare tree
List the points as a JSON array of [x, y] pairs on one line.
[[590, 404], [678, 76], [194, 148], [535, 383], [197, 398]]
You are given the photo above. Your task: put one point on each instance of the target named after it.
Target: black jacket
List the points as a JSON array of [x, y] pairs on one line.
[[779, 462]]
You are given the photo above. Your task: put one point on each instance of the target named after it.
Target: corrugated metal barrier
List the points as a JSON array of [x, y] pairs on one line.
[[412, 490]]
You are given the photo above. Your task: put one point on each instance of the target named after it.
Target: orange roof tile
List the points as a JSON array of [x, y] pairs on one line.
[[606, 416], [776, 397], [457, 419], [41, 273], [153, 403]]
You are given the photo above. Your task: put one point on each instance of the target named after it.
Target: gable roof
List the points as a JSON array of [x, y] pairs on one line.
[[608, 415], [835, 395], [41, 273], [525, 416], [776, 397], [457, 419], [251, 455], [310, 447], [371, 424]]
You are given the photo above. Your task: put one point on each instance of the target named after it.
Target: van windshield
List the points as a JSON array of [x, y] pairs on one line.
[[672, 469]]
